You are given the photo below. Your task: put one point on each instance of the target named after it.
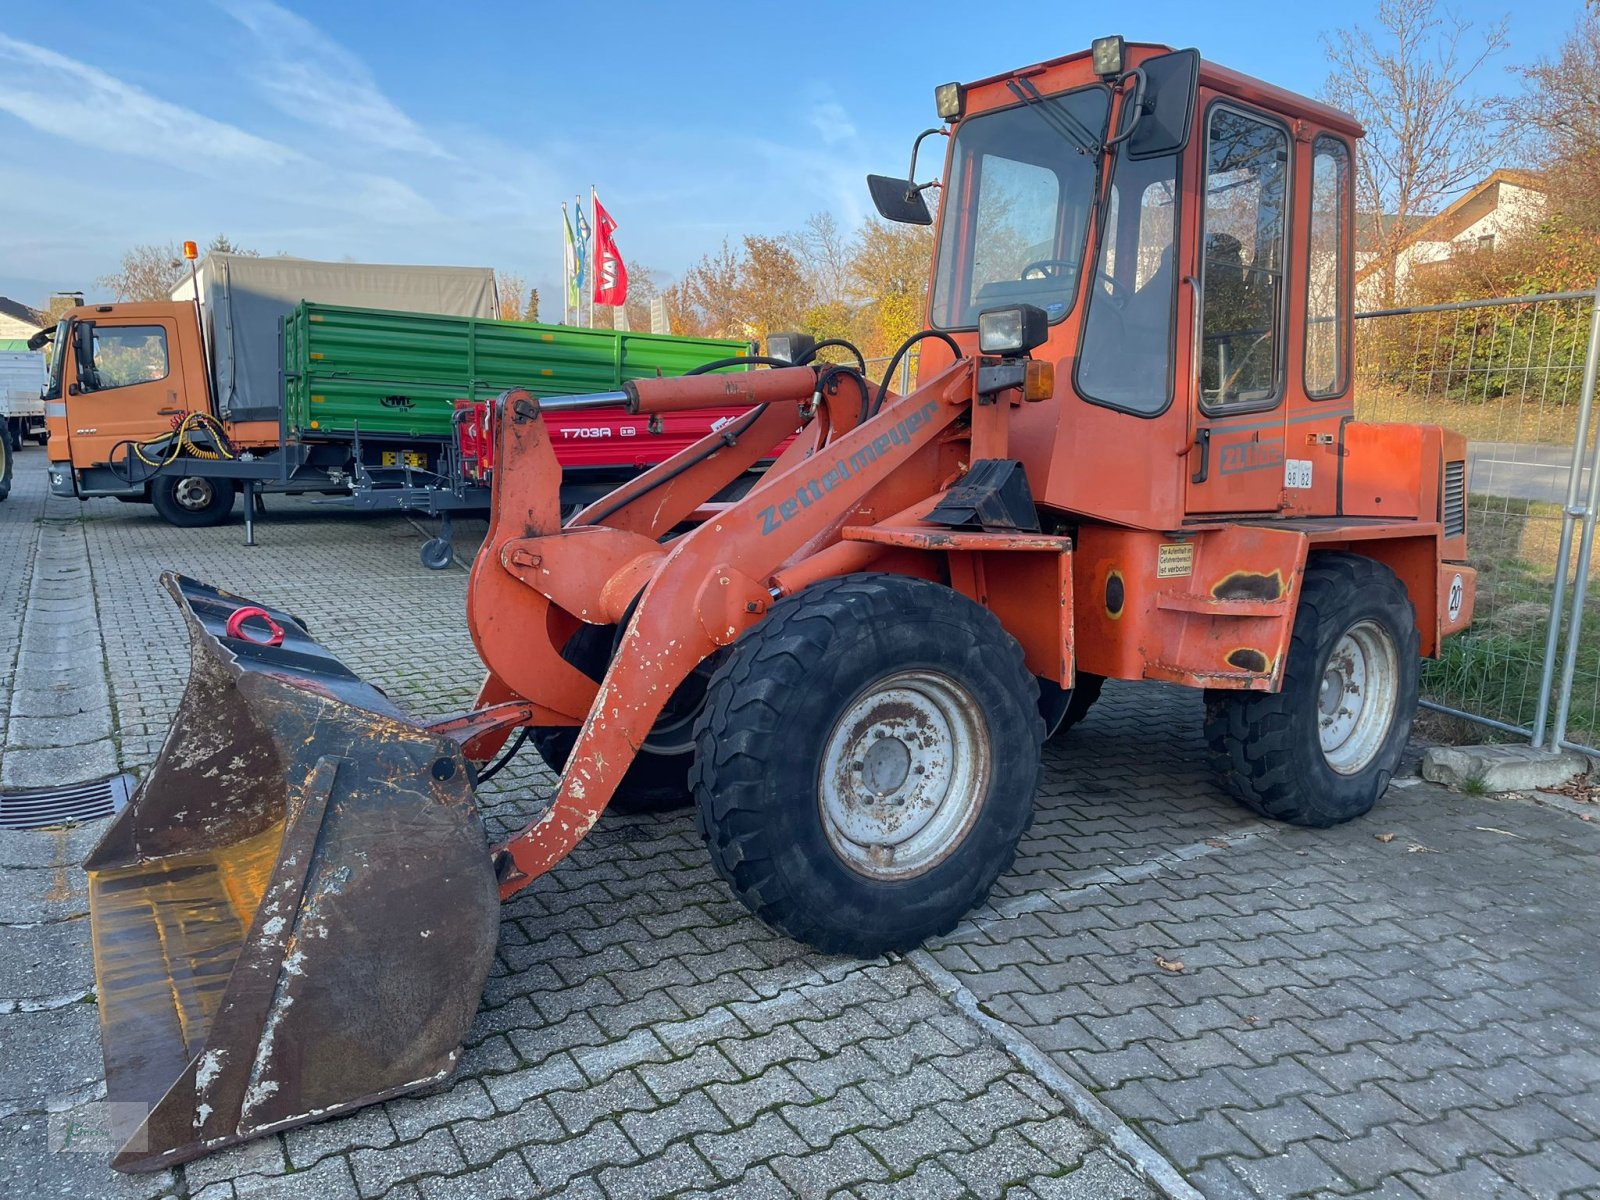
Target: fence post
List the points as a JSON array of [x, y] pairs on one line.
[[1580, 585]]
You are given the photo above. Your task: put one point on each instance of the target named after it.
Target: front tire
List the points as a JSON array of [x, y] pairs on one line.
[[192, 501], [866, 762], [1323, 749]]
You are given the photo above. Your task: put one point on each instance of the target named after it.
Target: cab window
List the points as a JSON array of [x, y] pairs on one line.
[[1327, 318], [1247, 171], [1126, 359], [123, 356], [1015, 214]]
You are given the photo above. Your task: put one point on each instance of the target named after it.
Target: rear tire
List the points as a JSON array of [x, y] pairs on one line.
[[658, 779], [192, 501], [1323, 749], [867, 761], [5, 470]]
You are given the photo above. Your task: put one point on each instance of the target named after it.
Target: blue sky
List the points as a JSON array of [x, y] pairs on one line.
[[404, 131]]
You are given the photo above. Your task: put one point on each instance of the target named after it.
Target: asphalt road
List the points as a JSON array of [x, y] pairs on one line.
[[1520, 470]]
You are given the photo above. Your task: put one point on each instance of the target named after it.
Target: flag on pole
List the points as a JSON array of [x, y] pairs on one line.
[[610, 275], [583, 243], [570, 262]]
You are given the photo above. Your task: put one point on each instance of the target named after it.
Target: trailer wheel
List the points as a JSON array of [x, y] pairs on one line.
[[867, 761], [658, 780], [14, 425], [192, 501], [1323, 749], [436, 554]]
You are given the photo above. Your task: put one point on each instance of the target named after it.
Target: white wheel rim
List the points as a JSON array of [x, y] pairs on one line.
[[1357, 698], [904, 774], [193, 492]]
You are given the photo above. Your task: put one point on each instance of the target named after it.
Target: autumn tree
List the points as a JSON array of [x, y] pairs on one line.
[[744, 292], [151, 271], [888, 278], [1429, 133], [508, 289], [1557, 119]]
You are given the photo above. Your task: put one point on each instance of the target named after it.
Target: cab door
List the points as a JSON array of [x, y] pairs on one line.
[[1238, 461], [127, 379]]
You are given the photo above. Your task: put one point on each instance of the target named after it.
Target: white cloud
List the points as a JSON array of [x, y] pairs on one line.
[[84, 104], [310, 77]]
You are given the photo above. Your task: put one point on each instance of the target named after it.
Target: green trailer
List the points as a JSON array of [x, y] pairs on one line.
[[380, 374]]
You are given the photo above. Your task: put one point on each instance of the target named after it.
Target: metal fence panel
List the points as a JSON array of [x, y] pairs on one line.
[[1510, 375]]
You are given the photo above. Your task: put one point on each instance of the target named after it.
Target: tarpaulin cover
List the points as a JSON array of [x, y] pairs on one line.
[[242, 299]]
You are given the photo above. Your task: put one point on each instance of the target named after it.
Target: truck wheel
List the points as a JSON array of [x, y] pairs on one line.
[[5, 470], [15, 428], [1323, 749], [867, 761], [658, 780], [192, 501]]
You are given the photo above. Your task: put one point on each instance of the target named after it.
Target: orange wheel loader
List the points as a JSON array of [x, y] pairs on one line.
[[1131, 453]]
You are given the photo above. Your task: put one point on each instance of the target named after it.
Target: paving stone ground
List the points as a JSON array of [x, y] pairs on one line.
[[1352, 1016]]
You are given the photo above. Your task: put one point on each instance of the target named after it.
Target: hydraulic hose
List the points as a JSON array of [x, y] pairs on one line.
[[905, 347], [161, 452]]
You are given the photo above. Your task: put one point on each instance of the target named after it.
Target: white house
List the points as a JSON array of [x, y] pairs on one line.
[[18, 321], [1480, 219]]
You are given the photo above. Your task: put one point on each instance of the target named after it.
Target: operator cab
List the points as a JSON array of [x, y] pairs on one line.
[[1186, 232]]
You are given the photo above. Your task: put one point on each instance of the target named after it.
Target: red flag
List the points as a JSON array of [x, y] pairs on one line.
[[610, 275]]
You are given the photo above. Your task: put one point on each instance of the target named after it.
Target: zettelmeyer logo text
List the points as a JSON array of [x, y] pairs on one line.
[[813, 490]]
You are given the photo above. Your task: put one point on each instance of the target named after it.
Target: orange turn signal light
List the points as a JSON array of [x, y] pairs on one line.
[[1039, 380], [191, 251]]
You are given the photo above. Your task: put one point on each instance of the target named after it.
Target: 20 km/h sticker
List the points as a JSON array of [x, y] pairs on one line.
[[1174, 559]]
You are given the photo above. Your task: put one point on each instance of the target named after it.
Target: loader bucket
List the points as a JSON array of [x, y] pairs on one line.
[[296, 913]]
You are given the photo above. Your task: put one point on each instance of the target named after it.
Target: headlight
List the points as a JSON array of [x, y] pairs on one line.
[[1012, 331], [1107, 55], [949, 99], [790, 347]]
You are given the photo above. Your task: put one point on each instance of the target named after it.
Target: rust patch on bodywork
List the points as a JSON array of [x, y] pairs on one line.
[[1248, 659], [1246, 585]]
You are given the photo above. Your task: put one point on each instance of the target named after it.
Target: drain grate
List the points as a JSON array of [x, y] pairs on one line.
[[58, 805]]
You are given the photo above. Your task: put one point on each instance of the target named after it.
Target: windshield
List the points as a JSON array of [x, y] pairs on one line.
[[58, 355], [1016, 209]]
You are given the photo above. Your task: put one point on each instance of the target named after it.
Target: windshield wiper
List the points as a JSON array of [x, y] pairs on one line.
[[1057, 117]]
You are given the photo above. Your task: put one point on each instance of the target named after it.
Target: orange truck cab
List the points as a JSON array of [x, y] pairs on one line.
[[149, 372]]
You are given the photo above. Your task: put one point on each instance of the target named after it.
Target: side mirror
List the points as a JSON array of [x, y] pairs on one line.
[[899, 200], [1171, 82], [41, 339], [83, 352]]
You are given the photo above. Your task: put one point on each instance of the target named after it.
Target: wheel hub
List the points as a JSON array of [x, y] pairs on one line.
[[904, 774], [193, 492], [1357, 698]]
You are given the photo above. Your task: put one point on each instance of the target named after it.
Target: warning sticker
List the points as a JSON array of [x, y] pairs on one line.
[[1174, 559]]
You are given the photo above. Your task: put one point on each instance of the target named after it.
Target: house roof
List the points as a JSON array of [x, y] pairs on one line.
[[1369, 230], [1442, 226], [21, 312]]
